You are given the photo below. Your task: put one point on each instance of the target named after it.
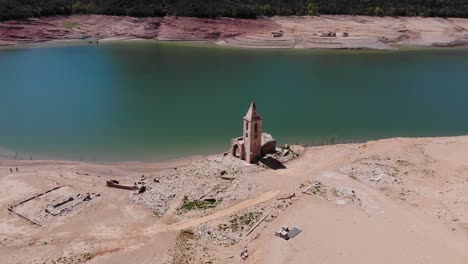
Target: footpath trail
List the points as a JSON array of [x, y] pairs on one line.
[[184, 224]]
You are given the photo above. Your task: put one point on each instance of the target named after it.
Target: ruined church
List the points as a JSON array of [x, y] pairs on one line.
[[254, 143]]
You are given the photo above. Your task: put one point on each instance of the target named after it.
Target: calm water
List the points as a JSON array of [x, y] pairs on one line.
[[147, 101]]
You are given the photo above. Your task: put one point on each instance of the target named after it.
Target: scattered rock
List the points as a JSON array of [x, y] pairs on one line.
[[142, 189], [244, 254]]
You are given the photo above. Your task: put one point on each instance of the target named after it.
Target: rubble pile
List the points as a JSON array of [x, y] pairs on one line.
[[316, 188], [347, 195], [198, 181], [159, 192], [212, 234], [221, 190], [374, 170], [343, 195], [287, 153], [214, 166]]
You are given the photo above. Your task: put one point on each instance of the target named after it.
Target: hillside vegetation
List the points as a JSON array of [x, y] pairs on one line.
[[16, 9]]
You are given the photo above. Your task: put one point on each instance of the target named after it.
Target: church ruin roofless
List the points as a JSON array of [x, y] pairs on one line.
[[254, 143]]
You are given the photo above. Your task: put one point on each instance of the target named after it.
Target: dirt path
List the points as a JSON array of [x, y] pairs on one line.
[[188, 223]]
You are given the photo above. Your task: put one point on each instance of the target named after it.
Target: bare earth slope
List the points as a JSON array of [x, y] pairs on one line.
[[331, 32], [388, 201]]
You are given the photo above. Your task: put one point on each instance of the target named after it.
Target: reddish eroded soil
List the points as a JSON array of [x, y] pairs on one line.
[[96, 26], [189, 28], [308, 32]]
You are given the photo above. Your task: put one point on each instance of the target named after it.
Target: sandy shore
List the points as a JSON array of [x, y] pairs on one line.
[[389, 201], [325, 32]]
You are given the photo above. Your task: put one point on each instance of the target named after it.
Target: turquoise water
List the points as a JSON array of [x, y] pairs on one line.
[[153, 101]]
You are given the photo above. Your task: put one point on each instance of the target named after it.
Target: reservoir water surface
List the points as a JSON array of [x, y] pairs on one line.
[[154, 101]]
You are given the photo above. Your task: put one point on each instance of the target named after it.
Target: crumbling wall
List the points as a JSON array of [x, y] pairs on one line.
[[64, 206], [119, 186], [268, 144], [11, 208], [44, 207]]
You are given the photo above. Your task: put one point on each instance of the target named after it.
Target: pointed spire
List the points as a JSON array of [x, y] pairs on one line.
[[252, 114]]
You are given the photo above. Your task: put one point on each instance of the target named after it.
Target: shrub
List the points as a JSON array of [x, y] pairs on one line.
[[199, 204]]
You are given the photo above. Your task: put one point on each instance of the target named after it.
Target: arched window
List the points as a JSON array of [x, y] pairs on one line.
[[246, 125], [255, 129]]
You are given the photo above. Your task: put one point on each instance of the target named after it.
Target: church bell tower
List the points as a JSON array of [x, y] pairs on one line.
[[253, 125]]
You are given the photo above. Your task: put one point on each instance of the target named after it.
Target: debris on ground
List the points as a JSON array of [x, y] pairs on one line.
[[64, 206], [142, 189], [377, 171], [219, 177], [244, 254], [343, 195], [287, 196], [328, 34], [316, 188], [277, 34]]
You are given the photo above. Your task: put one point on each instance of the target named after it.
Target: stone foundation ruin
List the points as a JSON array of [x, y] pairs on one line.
[[44, 207]]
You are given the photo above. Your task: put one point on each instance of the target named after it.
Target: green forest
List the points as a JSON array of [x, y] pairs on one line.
[[17, 9]]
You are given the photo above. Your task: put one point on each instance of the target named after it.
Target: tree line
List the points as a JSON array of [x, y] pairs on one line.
[[18, 9]]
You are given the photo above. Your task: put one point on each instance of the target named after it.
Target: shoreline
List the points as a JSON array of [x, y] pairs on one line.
[[335, 32], [208, 44], [199, 157]]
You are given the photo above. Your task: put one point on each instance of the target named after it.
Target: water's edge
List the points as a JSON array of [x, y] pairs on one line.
[[211, 44]]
